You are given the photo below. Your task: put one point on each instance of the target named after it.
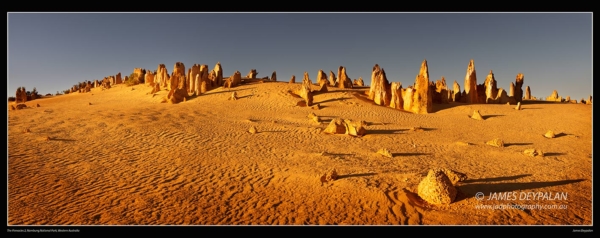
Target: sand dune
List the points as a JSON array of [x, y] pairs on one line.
[[129, 159]]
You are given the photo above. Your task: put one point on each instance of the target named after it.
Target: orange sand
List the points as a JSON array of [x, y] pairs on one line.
[[129, 159]]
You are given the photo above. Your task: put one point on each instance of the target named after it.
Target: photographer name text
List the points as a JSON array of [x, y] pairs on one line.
[[536, 196]]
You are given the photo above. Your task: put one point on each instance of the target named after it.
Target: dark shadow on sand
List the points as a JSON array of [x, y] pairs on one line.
[[268, 132], [490, 116], [422, 129], [409, 154], [291, 93], [356, 175], [553, 154], [385, 132], [65, 140], [561, 135], [212, 92], [471, 189], [514, 144], [497, 179], [339, 154]]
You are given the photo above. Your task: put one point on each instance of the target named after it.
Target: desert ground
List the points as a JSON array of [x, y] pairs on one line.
[[121, 157]]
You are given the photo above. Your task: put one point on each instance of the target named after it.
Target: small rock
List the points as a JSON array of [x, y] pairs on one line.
[[317, 119], [312, 115], [330, 176], [38, 105], [463, 143], [477, 115], [496, 142], [233, 96], [48, 138], [89, 103], [437, 188], [26, 130], [252, 130], [533, 153], [417, 128], [316, 107], [549, 134], [518, 106], [385, 152]]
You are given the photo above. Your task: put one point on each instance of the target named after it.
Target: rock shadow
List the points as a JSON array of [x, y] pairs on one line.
[[497, 179], [516, 144], [60, 139], [409, 154], [386, 132], [553, 154], [356, 175], [490, 116]]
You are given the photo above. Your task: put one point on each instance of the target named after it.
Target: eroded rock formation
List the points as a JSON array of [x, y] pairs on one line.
[[306, 90], [217, 72], [343, 79], [321, 78], [380, 91], [194, 71], [407, 96], [440, 91], [502, 98], [274, 76], [554, 97], [511, 90], [519, 87], [177, 95], [471, 84], [204, 81], [345, 126], [396, 100], [456, 92], [252, 74], [332, 79], [528, 93], [422, 98], [293, 79], [149, 78], [178, 69], [234, 80], [437, 188], [360, 82], [491, 88], [589, 101], [161, 76], [118, 79]]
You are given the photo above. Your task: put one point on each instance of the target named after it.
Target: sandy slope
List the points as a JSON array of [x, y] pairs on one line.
[[129, 159]]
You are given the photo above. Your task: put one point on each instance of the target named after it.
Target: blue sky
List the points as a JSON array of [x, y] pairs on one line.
[[53, 51]]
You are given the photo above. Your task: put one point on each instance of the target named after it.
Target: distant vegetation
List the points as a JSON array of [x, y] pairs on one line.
[[132, 80], [21, 95]]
